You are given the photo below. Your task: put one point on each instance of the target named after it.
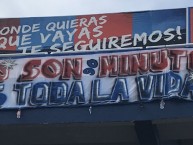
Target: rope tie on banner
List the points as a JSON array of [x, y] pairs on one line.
[[162, 104], [18, 114], [90, 110]]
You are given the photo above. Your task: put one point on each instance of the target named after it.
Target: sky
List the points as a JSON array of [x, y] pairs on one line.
[[34, 8]]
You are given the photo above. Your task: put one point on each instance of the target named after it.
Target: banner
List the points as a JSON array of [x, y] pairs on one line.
[[96, 78], [96, 59], [93, 32]]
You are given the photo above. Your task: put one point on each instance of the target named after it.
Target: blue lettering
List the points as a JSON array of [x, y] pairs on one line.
[[40, 94], [21, 92], [3, 97], [120, 89], [58, 92], [159, 86], [187, 90], [76, 93], [96, 96], [146, 87], [173, 84]]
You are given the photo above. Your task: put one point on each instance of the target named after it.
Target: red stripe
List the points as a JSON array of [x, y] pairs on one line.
[[116, 25], [9, 23]]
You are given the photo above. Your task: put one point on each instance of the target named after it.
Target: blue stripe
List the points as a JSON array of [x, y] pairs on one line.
[[44, 21], [158, 20]]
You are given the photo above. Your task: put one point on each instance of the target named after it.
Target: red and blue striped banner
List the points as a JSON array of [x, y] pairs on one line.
[[93, 32]]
